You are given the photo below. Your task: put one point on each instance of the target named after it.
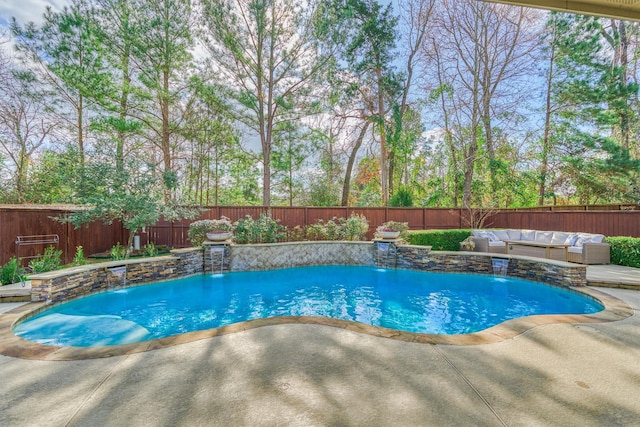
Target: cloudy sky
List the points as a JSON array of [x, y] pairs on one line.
[[26, 10]]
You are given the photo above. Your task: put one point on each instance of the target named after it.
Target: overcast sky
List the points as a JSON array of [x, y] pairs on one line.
[[27, 10]]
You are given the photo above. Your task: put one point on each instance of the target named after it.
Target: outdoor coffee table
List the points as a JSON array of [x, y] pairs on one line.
[[534, 249]]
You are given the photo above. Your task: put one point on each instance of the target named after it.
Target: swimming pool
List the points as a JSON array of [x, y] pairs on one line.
[[407, 300]]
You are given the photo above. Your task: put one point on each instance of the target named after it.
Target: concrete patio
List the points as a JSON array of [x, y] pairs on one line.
[[306, 375]]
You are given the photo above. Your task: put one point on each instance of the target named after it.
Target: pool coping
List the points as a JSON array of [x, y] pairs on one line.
[[14, 346]]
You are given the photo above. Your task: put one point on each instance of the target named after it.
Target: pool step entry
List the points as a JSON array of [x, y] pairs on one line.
[[116, 276], [217, 261], [500, 266], [385, 255]]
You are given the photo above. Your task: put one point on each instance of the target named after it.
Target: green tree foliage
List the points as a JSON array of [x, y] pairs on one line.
[[162, 46], [55, 178], [367, 46], [351, 102], [133, 197], [402, 197], [68, 56], [267, 55], [25, 127], [288, 157], [598, 117], [213, 142]]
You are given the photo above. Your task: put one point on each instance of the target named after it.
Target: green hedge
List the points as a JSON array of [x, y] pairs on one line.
[[439, 240], [625, 251]]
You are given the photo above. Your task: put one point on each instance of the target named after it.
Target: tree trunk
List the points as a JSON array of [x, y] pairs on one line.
[[352, 159], [546, 142], [384, 155], [124, 110], [166, 131]]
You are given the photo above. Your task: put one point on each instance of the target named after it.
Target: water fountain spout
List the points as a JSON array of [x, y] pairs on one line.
[[216, 254], [385, 254], [119, 273], [500, 266]]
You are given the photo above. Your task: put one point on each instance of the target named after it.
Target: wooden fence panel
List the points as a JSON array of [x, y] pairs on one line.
[[622, 220], [14, 222], [315, 213], [609, 223], [414, 217], [375, 216], [236, 212], [444, 219], [290, 217]]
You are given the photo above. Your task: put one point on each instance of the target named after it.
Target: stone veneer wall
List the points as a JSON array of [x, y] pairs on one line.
[[556, 273], [280, 255], [79, 281], [74, 282]]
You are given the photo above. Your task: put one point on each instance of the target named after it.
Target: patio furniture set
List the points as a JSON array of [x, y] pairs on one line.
[[584, 248]]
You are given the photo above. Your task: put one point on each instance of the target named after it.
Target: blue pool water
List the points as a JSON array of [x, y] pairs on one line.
[[412, 301]]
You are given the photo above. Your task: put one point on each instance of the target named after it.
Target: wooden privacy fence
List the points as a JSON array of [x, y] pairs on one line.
[[175, 233], [615, 220], [25, 221]]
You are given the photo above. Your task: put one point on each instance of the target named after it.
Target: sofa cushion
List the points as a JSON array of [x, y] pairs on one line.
[[575, 249], [543, 236], [486, 234], [479, 233], [514, 234], [528, 235], [559, 238], [492, 236], [497, 244], [588, 238], [571, 239], [501, 234]]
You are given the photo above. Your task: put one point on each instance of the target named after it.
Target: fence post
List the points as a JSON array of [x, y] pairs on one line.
[[67, 253]]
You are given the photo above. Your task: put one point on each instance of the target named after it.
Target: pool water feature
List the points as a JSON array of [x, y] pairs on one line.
[[408, 300], [216, 256]]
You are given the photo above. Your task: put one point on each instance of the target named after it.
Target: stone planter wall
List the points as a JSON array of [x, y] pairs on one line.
[[79, 281], [556, 273], [75, 282]]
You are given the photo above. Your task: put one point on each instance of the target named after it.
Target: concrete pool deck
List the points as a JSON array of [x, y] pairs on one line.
[[557, 374]]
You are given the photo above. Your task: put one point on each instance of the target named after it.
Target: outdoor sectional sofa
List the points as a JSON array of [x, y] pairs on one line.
[[584, 248]]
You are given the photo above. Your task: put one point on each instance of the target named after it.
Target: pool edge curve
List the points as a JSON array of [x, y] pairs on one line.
[[14, 346]]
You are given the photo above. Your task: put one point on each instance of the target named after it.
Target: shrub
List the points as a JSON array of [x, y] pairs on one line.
[[198, 229], [48, 261], [295, 234], [353, 228], [263, 230], [151, 249], [402, 197], [78, 258], [11, 272], [316, 231], [625, 251], [439, 240], [118, 252]]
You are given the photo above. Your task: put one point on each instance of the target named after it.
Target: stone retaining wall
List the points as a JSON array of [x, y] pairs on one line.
[[79, 281], [75, 282], [281, 255], [556, 273]]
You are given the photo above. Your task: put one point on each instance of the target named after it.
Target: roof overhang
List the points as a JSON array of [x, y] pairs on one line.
[[619, 9]]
